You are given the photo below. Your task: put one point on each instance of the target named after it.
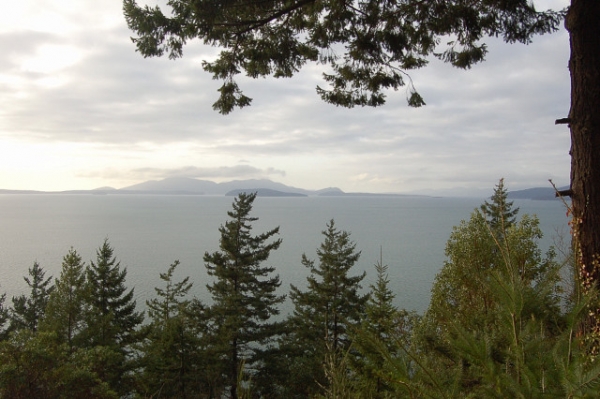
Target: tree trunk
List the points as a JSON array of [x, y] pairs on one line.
[[234, 369], [583, 24]]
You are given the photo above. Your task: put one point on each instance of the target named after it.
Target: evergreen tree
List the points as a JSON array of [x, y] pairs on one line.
[[65, 310], [111, 315], [465, 295], [111, 319], [28, 310], [37, 365], [169, 351], [380, 323], [4, 318], [325, 313], [499, 213], [244, 297], [380, 312]]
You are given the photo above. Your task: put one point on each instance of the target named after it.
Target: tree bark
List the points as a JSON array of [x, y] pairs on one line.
[[583, 24]]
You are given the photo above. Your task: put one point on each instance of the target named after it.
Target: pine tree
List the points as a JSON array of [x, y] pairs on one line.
[[466, 298], [332, 302], [499, 213], [4, 318], [111, 315], [169, 352], [380, 312], [244, 292], [36, 365], [380, 323], [324, 313], [65, 311], [111, 319], [28, 310]]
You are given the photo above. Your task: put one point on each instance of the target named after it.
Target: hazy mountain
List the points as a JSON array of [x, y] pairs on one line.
[[265, 187], [177, 184], [186, 185], [536, 193]]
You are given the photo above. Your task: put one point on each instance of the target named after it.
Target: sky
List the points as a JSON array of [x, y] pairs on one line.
[[80, 109]]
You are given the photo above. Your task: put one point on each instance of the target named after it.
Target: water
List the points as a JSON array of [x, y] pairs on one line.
[[149, 232]]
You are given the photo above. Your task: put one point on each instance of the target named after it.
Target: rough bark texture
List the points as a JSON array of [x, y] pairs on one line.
[[583, 24]]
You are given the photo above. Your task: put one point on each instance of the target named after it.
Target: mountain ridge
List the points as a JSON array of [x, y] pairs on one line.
[[263, 187]]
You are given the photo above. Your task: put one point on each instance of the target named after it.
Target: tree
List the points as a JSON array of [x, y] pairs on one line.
[[481, 283], [325, 313], [244, 292], [382, 41], [474, 252], [381, 322], [37, 365], [499, 213], [111, 315], [29, 310], [111, 319], [169, 358], [4, 318], [65, 310]]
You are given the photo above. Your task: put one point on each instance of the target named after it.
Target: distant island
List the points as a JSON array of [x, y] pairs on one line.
[[189, 186], [537, 193], [263, 188]]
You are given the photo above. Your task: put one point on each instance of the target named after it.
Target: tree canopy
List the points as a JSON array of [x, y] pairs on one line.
[[368, 45], [244, 292]]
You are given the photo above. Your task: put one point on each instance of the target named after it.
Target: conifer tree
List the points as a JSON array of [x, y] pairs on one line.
[[28, 310], [332, 302], [36, 365], [111, 319], [65, 310], [244, 292], [4, 318], [499, 213], [111, 315], [465, 295], [380, 311], [324, 313], [380, 323], [169, 351]]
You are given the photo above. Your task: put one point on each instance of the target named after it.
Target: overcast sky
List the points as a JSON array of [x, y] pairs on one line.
[[80, 109]]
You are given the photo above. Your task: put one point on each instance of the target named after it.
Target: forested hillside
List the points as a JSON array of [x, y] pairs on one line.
[[502, 323]]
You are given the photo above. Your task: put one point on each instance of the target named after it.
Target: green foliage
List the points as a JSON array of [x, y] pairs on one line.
[[111, 319], [383, 326], [380, 312], [36, 365], [482, 246], [369, 45], [170, 350], [495, 305], [4, 318], [28, 310], [332, 303], [65, 311], [499, 213], [326, 312], [244, 292]]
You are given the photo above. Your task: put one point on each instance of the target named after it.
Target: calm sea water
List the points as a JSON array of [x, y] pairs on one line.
[[149, 232]]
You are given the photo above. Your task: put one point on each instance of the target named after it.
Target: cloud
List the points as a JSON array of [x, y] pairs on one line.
[[152, 118]]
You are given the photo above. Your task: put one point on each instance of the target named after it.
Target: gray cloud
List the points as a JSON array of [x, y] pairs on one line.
[[495, 120]]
